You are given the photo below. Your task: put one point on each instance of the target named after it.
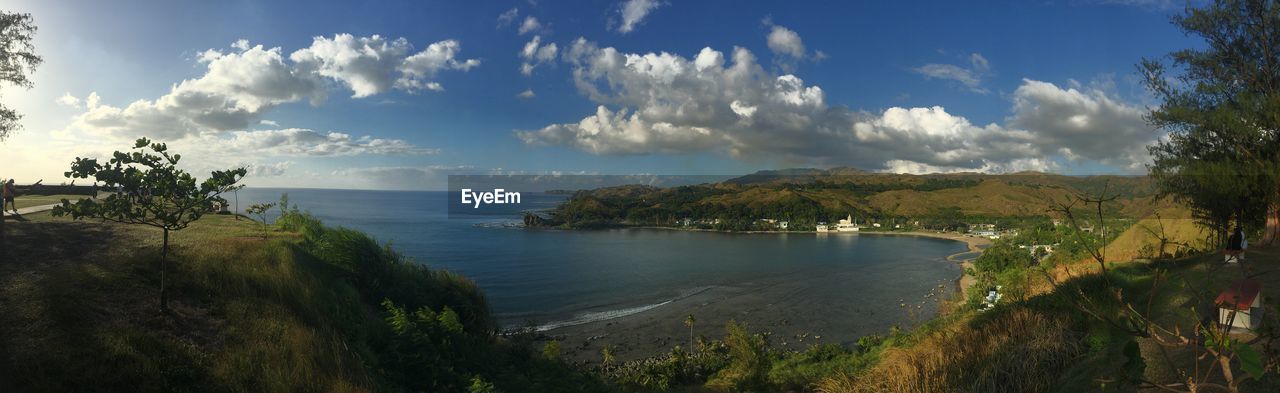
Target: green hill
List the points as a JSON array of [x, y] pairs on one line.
[[808, 196], [308, 308]]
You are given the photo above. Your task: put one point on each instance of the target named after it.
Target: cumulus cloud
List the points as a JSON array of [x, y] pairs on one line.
[[1082, 124], [784, 41], [535, 54], [665, 103], [371, 65], [530, 25], [633, 12], [787, 46], [971, 77], [239, 86], [526, 94], [68, 100]]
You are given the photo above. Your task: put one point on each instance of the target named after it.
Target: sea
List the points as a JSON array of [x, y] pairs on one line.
[[549, 278]]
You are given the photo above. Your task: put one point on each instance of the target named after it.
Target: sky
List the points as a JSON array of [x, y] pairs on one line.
[[400, 94]]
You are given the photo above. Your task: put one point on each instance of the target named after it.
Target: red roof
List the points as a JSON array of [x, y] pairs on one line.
[[1241, 293]]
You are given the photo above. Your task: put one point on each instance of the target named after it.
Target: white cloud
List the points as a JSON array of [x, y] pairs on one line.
[[269, 123], [1082, 124], [633, 13], [534, 54], [268, 170], [305, 142], [784, 41], [68, 100], [971, 77], [526, 94], [238, 87], [787, 47], [507, 17], [529, 25], [371, 65], [665, 103]]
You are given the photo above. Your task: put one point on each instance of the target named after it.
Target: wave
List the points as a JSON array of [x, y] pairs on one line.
[[597, 316]]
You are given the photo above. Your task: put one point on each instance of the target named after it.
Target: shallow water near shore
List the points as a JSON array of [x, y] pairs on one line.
[[556, 279]]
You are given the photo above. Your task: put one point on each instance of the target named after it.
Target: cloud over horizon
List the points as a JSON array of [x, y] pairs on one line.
[[241, 85], [663, 103]]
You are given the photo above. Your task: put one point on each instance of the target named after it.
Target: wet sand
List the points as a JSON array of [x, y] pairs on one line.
[[783, 308]]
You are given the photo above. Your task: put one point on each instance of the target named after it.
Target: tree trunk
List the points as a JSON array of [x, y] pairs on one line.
[[164, 265], [1271, 233]]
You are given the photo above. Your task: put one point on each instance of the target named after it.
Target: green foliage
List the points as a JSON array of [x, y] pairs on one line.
[[17, 60], [154, 192], [479, 385], [446, 343], [551, 351], [260, 210], [1001, 256], [1222, 154], [749, 362]]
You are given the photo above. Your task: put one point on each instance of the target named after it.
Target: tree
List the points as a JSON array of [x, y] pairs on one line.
[[154, 192], [17, 60], [688, 322], [260, 210], [1222, 112]]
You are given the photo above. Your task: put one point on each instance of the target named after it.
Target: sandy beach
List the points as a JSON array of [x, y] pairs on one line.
[[782, 308]]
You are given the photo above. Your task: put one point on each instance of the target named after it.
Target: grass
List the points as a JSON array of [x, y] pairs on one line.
[[247, 311], [1045, 343], [23, 201]]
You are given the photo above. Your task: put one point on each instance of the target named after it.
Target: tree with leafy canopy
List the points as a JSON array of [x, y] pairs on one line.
[[1220, 105], [153, 192], [260, 210], [17, 61]]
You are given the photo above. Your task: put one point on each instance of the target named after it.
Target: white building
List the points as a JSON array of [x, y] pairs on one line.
[[1240, 305], [847, 225], [821, 227]]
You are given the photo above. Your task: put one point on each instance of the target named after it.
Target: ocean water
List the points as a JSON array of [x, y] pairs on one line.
[[552, 278]]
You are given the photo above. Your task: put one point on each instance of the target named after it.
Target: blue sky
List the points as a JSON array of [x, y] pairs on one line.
[[892, 86]]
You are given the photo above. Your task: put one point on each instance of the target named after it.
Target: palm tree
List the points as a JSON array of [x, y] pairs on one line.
[[688, 321], [607, 354]]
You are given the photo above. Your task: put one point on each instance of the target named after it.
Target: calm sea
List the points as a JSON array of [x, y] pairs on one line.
[[555, 277]]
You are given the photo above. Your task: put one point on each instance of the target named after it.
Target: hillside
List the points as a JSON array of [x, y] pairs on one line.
[[808, 196], [305, 308]]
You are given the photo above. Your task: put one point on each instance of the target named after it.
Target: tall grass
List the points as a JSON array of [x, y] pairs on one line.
[[1020, 351]]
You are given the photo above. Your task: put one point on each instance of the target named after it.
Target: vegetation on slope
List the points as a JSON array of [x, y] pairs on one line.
[[309, 308], [806, 197]]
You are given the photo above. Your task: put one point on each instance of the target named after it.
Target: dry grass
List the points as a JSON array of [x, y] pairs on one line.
[[1018, 351], [78, 311]]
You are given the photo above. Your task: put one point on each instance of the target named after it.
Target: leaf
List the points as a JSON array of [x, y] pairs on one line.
[[1250, 361]]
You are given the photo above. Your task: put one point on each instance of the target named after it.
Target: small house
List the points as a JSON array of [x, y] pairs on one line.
[[821, 227], [1240, 305], [783, 224]]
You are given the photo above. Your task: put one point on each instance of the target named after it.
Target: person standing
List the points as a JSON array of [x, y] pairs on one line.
[[9, 194]]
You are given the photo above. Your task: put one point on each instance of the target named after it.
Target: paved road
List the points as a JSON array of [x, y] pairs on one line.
[[30, 209]]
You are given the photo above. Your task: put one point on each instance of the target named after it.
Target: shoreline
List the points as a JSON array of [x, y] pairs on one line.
[[652, 332], [962, 283]]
